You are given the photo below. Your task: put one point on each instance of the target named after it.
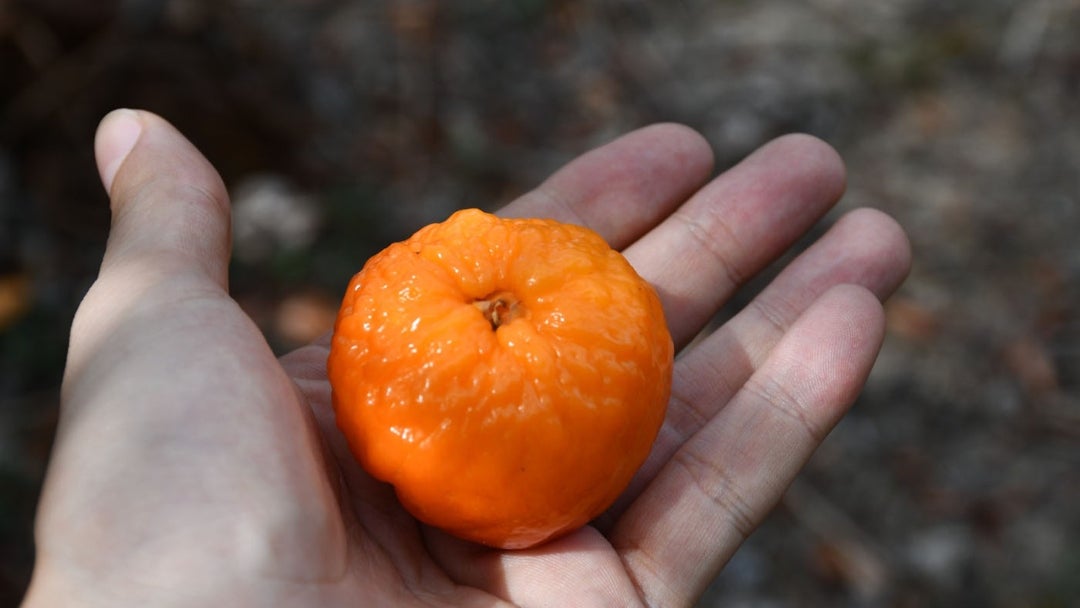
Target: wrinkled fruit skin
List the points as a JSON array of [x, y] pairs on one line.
[[507, 377]]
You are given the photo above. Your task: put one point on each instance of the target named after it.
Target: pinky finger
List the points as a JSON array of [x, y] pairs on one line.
[[726, 478]]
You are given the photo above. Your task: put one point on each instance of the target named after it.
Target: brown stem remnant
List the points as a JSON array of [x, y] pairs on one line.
[[499, 308]]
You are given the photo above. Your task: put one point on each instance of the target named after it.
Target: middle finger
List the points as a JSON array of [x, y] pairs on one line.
[[735, 226]]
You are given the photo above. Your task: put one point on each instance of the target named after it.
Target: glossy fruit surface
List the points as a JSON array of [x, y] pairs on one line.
[[507, 376]]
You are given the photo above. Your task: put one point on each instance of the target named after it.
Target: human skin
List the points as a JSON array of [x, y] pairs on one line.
[[193, 467]]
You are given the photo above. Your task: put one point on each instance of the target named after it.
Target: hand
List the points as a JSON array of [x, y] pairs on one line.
[[191, 467]]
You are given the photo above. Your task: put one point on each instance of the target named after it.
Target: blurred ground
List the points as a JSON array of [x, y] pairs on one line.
[[340, 126]]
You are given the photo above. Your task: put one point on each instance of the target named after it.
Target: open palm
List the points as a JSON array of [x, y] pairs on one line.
[[191, 467]]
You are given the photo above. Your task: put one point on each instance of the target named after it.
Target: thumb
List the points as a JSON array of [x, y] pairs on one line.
[[170, 237], [169, 206]]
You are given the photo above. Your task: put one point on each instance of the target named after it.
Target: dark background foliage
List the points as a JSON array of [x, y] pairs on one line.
[[342, 125]]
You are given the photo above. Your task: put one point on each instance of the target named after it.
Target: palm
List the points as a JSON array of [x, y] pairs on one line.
[[426, 563], [237, 450]]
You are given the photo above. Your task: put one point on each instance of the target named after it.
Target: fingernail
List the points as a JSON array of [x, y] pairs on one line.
[[116, 136]]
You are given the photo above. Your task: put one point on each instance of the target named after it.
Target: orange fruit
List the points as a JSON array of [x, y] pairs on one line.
[[507, 376]]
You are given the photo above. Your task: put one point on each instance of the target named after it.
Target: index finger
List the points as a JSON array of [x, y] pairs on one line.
[[624, 188]]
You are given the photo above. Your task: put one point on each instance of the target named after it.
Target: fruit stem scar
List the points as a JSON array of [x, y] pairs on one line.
[[499, 308]]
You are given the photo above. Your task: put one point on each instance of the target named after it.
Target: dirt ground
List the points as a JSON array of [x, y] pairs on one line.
[[340, 126]]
